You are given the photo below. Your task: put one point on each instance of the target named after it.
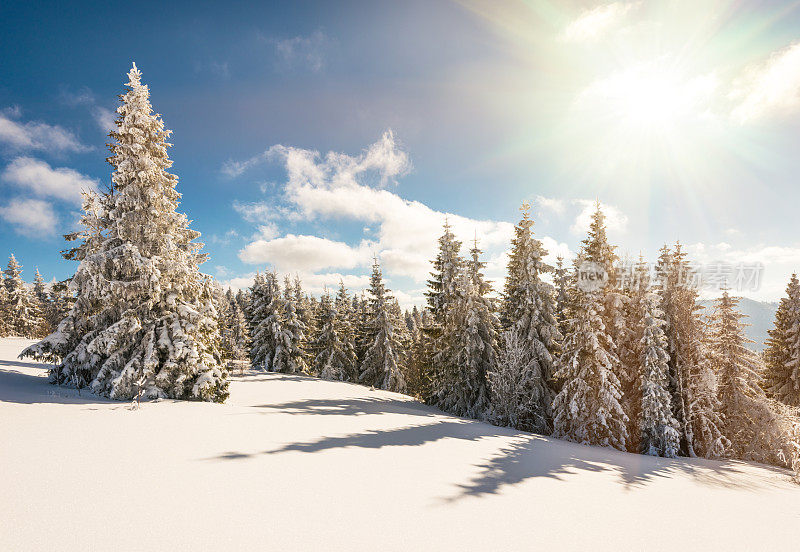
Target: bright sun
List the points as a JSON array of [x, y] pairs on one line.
[[649, 98], [648, 118]]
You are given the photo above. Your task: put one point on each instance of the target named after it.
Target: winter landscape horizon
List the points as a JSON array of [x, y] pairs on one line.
[[447, 274]]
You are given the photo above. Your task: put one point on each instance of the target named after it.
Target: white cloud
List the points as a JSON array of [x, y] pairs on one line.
[[83, 96], [308, 52], [30, 217], [258, 211], [303, 253], [226, 238], [557, 206], [346, 187], [341, 187], [36, 135], [769, 89], [407, 300], [104, 118], [312, 283], [45, 181], [616, 220], [240, 282], [267, 231], [222, 271], [593, 23], [317, 283]]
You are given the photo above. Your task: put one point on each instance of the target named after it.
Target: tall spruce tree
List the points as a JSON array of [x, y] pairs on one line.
[[5, 315], [61, 301], [693, 383], [528, 309], [648, 402], [470, 350], [443, 285], [562, 283], [443, 292], [380, 366], [289, 355], [85, 315], [153, 334], [23, 316], [266, 326], [756, 430], [346, 332], [237, 334], [597, 249], [587, 409], [333, 360], [782, 355], [42, 306]]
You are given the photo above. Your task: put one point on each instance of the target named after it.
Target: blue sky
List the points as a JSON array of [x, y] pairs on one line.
[[310, 136]]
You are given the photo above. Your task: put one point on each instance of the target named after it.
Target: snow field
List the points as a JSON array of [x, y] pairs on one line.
[[297, 463]]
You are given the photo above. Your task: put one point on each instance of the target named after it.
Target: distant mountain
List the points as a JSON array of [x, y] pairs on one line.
[[760, 316]]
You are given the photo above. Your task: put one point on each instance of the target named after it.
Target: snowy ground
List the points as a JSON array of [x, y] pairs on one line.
[[297, 463]]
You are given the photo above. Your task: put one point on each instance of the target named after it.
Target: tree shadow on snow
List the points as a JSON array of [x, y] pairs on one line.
[[408, 436], [531, 456], [21, 388], [523, 456], [353, 407]]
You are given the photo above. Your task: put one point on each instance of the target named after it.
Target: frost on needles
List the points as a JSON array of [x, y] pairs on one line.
[[144, 322]]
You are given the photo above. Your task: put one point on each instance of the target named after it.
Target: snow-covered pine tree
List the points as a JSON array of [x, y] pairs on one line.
[[512, 403], [42, 305], [266, 326], [224, 320], [345, 323], [380, 366], [529, 309], [417, 315], [5, 317], [443, 285], [754, 428], [306, 308], [153, 332], [693, 383], [361, 327], [648, 404], [242, 299], [782, 355], [289, 357], [628, 350], [470, 352], [562, 282], [61, 301], [443, 292], [597, 249], [233, 328], [66, 346], [333, 360], [587, 409], [239, 334], [417, 369], [411, 325], [23, 315]]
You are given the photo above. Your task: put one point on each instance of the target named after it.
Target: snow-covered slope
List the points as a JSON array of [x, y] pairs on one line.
[[302, 464]]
